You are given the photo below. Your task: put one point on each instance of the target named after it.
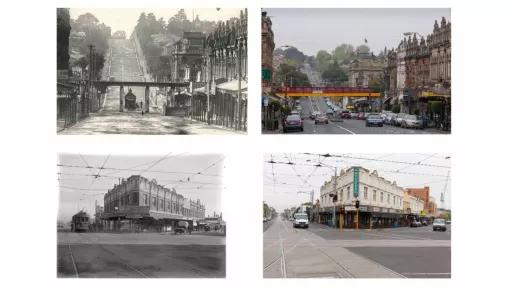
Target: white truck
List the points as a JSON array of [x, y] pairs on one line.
[[300, 220]]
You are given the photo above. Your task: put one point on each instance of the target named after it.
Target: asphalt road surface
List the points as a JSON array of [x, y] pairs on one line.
[[346, 126], [323, 252], [141, 255]]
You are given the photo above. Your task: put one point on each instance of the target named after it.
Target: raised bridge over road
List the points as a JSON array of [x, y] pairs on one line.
[[325, 92]]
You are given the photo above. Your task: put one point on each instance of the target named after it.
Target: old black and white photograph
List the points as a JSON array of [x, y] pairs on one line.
[[151, 71], [141, 216]]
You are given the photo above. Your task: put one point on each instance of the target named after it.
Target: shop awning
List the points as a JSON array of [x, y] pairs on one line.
[[232, 86]]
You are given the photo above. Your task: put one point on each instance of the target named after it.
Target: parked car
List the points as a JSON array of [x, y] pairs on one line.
[[415, 223], [293, 122], [345, 114], [411, 121], [390, 119], [322, 118], [300, 220], [353, 115], [374, 120], [398, 119], [424, 223], [439, 224], [448, 222], [360, 116]]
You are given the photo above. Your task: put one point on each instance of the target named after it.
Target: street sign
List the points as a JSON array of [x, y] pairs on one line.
[[265, 101], [266, 74], [356, 182]]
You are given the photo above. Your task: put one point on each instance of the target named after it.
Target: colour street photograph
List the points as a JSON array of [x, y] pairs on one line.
[[356, 71], [159, 71], [356, 216], [140, 216]]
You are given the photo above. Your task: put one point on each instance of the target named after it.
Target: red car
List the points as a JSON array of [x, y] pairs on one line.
[[361, 116], [345, 114]]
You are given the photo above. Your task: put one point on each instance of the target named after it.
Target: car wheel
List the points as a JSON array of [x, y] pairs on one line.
[[301, 129]]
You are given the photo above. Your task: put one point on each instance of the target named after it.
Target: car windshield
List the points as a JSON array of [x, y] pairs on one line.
[[293, 117], [439, 221], [301, 216], [373, 116]]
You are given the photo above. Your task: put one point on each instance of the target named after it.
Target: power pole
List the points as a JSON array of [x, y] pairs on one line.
[[336, 193]]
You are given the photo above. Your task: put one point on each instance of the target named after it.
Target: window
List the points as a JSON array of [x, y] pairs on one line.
[[388, 198], [374, 195], [146, 199], [381, 197], [168, 205], [341, 195], [154, 201], [161, 204], [348, 192], [365, 192]]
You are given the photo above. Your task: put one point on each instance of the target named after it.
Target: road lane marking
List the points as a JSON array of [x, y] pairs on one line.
[[73, 260], [344, 128]]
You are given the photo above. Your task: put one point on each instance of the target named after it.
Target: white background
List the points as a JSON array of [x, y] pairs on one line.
[[479, 145]]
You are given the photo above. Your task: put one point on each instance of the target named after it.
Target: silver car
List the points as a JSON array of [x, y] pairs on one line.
[[411, 121]]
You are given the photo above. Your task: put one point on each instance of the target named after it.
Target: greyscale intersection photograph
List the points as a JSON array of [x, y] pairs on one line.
[[141, 216], [356, 215], [151, 71], [356, 71]]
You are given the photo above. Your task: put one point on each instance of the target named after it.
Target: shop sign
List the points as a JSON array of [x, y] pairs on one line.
[[356, 182]]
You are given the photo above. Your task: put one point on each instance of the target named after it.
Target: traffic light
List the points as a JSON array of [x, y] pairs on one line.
[[357, 204]]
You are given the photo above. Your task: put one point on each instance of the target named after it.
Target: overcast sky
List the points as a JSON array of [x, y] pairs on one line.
[[311, 30], [126, 18], [281, 181], [79, 190]]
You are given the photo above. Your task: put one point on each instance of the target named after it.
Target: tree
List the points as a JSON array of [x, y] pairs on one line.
[[323, 58], [343, 53], [334, 75], [291, 75]]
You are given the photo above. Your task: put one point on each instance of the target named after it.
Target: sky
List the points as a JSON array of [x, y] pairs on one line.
[[282, 181], [79, 190], [314, 29], [125, 19]]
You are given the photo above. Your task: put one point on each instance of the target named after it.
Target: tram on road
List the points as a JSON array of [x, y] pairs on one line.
[[80, 222]]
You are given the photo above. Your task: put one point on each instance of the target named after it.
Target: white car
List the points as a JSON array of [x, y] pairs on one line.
[[300, 220]]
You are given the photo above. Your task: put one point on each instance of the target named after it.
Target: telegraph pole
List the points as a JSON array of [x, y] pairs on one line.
[[335, 193], [91, 68]]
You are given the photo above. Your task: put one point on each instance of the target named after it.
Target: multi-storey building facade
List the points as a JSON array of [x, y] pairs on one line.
[[430, 206], [362, 71], [413, 205], [423, 75], [143, 202], [381, 201], [267, 52]]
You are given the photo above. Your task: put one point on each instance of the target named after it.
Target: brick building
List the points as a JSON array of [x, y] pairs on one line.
[[139, 203], [424, 194], [267, 52]]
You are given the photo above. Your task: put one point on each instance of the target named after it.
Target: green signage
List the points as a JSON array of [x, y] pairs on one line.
[[266, 74], [356, 182]]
